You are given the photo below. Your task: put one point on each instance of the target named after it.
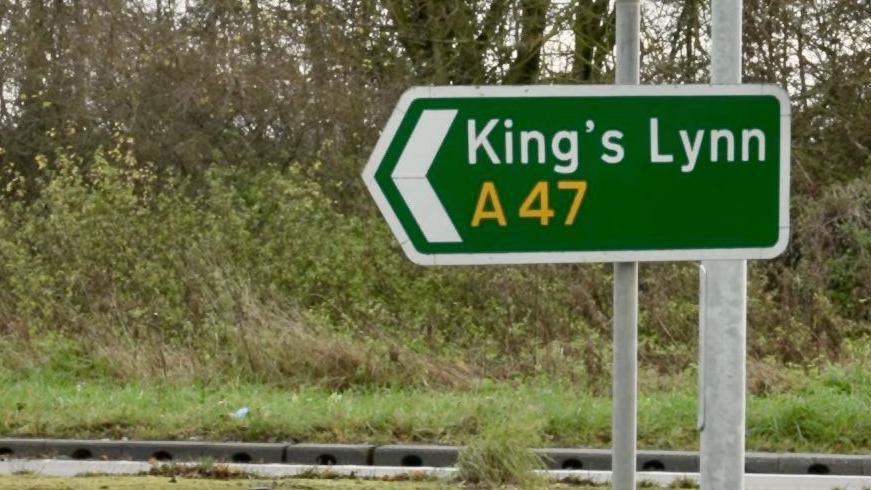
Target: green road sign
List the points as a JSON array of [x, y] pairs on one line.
[[538, 174]]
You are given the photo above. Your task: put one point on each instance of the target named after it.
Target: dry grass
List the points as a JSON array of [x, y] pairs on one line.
[[267, 342]]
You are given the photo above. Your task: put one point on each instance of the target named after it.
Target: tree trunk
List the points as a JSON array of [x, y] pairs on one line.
[[527, 63]]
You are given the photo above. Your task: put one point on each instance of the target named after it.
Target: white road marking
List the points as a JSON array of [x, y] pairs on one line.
[[67, 468]]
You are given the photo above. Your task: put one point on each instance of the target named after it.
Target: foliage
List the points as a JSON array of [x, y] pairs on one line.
[[231, 279], [258, 275], [245, 82], [180, 199]]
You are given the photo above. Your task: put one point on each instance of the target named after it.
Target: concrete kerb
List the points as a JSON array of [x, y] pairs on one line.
[[821, 464], [227, 452], [576, 459], [416, 456], [669, 461], [65, 449], [22, 448], [600, 460], [330, 454], [406, 456], [142, 450], [764, 463]]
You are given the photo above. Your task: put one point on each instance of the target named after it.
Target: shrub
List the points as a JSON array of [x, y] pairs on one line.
[[258, 275]]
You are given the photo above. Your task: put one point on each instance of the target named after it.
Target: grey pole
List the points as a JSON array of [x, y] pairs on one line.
[[625, 372], [723, 329]]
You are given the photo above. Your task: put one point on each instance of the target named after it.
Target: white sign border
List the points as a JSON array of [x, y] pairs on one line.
[[417, 257]]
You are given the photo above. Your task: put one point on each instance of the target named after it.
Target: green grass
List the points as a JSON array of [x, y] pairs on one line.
[[831, 412]]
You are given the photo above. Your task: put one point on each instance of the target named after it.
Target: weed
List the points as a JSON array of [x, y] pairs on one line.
[[581, 482], [683, 483], [412, 476], [206, 468], [321, 474], [501, 455]]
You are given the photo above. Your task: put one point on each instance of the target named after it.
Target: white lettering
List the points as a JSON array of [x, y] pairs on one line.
[[509, 142], [655, 156], [480, 140], [692, 150], [716, 136], [525, 138], [746, 134], [570, 156], [609, 142]]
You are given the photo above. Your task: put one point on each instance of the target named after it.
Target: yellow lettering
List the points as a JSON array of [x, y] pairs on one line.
[[544, 213], [580, 188], [488, 195]]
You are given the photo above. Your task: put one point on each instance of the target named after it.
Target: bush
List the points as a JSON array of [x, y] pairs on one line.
[[807, 303], [258, 275], [237, 279]]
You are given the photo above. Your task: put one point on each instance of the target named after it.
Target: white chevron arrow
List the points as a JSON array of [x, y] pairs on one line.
[[409, 175]]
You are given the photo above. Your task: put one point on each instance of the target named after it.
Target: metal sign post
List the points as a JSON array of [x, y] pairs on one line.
[[625, 341], [723, 329]]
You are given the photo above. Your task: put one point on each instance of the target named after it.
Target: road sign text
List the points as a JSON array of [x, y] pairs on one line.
[[585, 173]]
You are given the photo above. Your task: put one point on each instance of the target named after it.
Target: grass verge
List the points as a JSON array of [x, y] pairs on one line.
[[829, 412]]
